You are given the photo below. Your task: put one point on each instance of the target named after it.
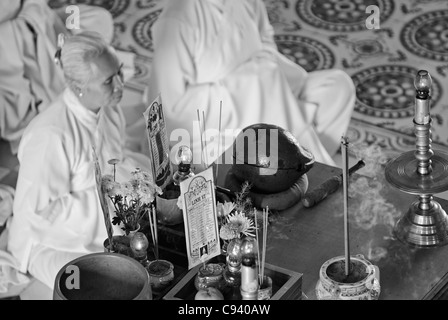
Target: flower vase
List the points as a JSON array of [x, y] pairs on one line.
[[131, 233]]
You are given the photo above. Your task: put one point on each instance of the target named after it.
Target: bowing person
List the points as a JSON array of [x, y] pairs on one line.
[[57, 215], [207, 51]]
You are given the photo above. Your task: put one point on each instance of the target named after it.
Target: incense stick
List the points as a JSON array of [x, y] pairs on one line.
[[156, 236], [153, 227], [265, 236], [344, 144], [219, 141], [200, 133], [260, 279], [205, 138]]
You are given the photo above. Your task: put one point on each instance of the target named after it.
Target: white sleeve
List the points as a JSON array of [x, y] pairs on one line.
[[57, 215], [173, 60]]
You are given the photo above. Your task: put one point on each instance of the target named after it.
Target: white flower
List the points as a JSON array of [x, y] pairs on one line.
[[237, 224], [225, 209]]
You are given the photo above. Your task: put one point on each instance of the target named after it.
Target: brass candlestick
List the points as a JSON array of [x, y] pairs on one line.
[[422, 172]]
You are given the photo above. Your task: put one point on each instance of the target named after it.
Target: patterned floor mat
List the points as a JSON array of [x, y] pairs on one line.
[[321, 34]]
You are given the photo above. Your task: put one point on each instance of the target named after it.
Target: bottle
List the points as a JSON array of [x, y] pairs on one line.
[[249, 269], [232, 273], [184, 157]]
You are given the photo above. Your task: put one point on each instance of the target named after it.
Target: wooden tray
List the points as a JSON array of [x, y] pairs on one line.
[[287, 284]]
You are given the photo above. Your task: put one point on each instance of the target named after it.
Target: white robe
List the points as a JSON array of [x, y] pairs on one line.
[[29, 78], [57, 213], [208, 51]]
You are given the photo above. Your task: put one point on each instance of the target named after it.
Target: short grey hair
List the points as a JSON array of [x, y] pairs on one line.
[[77, 53]]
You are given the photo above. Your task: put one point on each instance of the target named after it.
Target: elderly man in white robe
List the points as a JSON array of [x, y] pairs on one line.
[[208, 51], [57, 213]]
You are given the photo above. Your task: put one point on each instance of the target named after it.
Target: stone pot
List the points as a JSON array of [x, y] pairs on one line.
[[363, 282]]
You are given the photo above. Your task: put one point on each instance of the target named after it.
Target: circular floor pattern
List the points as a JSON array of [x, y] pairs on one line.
[[142, 70], [141, 31], [388, 143], [115, 7], [341, 15], [306, 52], [388, 91], [427, 35]]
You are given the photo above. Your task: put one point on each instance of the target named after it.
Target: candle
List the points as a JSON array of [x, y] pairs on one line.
[[422, 84], [249, 271]]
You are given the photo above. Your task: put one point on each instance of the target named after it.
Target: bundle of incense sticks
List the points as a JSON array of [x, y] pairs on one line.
[[261, 262], [153, 226], [203, 134]]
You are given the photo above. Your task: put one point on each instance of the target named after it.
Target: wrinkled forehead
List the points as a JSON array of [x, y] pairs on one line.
[[105, 65]]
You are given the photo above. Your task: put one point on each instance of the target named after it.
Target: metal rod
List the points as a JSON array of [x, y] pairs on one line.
[[345, 178]]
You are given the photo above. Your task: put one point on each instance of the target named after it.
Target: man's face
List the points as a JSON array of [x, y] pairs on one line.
[[105, 87]]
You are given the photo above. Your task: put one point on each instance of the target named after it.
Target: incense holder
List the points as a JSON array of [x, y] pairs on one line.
[[161, 274], [210, 275], [362, 282], [265, 289]]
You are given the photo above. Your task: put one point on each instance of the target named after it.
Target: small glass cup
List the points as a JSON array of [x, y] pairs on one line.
[[210, 275], [161, 273], [265, 290]]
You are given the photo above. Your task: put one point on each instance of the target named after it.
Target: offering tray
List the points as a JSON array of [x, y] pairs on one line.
[[286, 284]]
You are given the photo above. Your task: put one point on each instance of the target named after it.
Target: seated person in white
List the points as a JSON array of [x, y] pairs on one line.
[[29, 79], [207, 51], [57, 213]]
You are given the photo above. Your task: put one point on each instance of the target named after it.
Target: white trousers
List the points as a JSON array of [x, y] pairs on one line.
[[45, 263], [333, 93]]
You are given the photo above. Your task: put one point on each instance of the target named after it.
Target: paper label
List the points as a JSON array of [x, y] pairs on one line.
[[102, 197], [158, 143], [200, 218]]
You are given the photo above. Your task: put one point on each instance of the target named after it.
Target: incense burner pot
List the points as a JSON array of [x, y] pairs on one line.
[[210, 275], [362, 283]]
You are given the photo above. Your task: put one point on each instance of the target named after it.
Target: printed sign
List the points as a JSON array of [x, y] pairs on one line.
[[200, 218], [102, 196], [158, 143]]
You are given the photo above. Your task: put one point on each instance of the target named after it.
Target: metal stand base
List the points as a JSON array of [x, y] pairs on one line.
[[423, 228]]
